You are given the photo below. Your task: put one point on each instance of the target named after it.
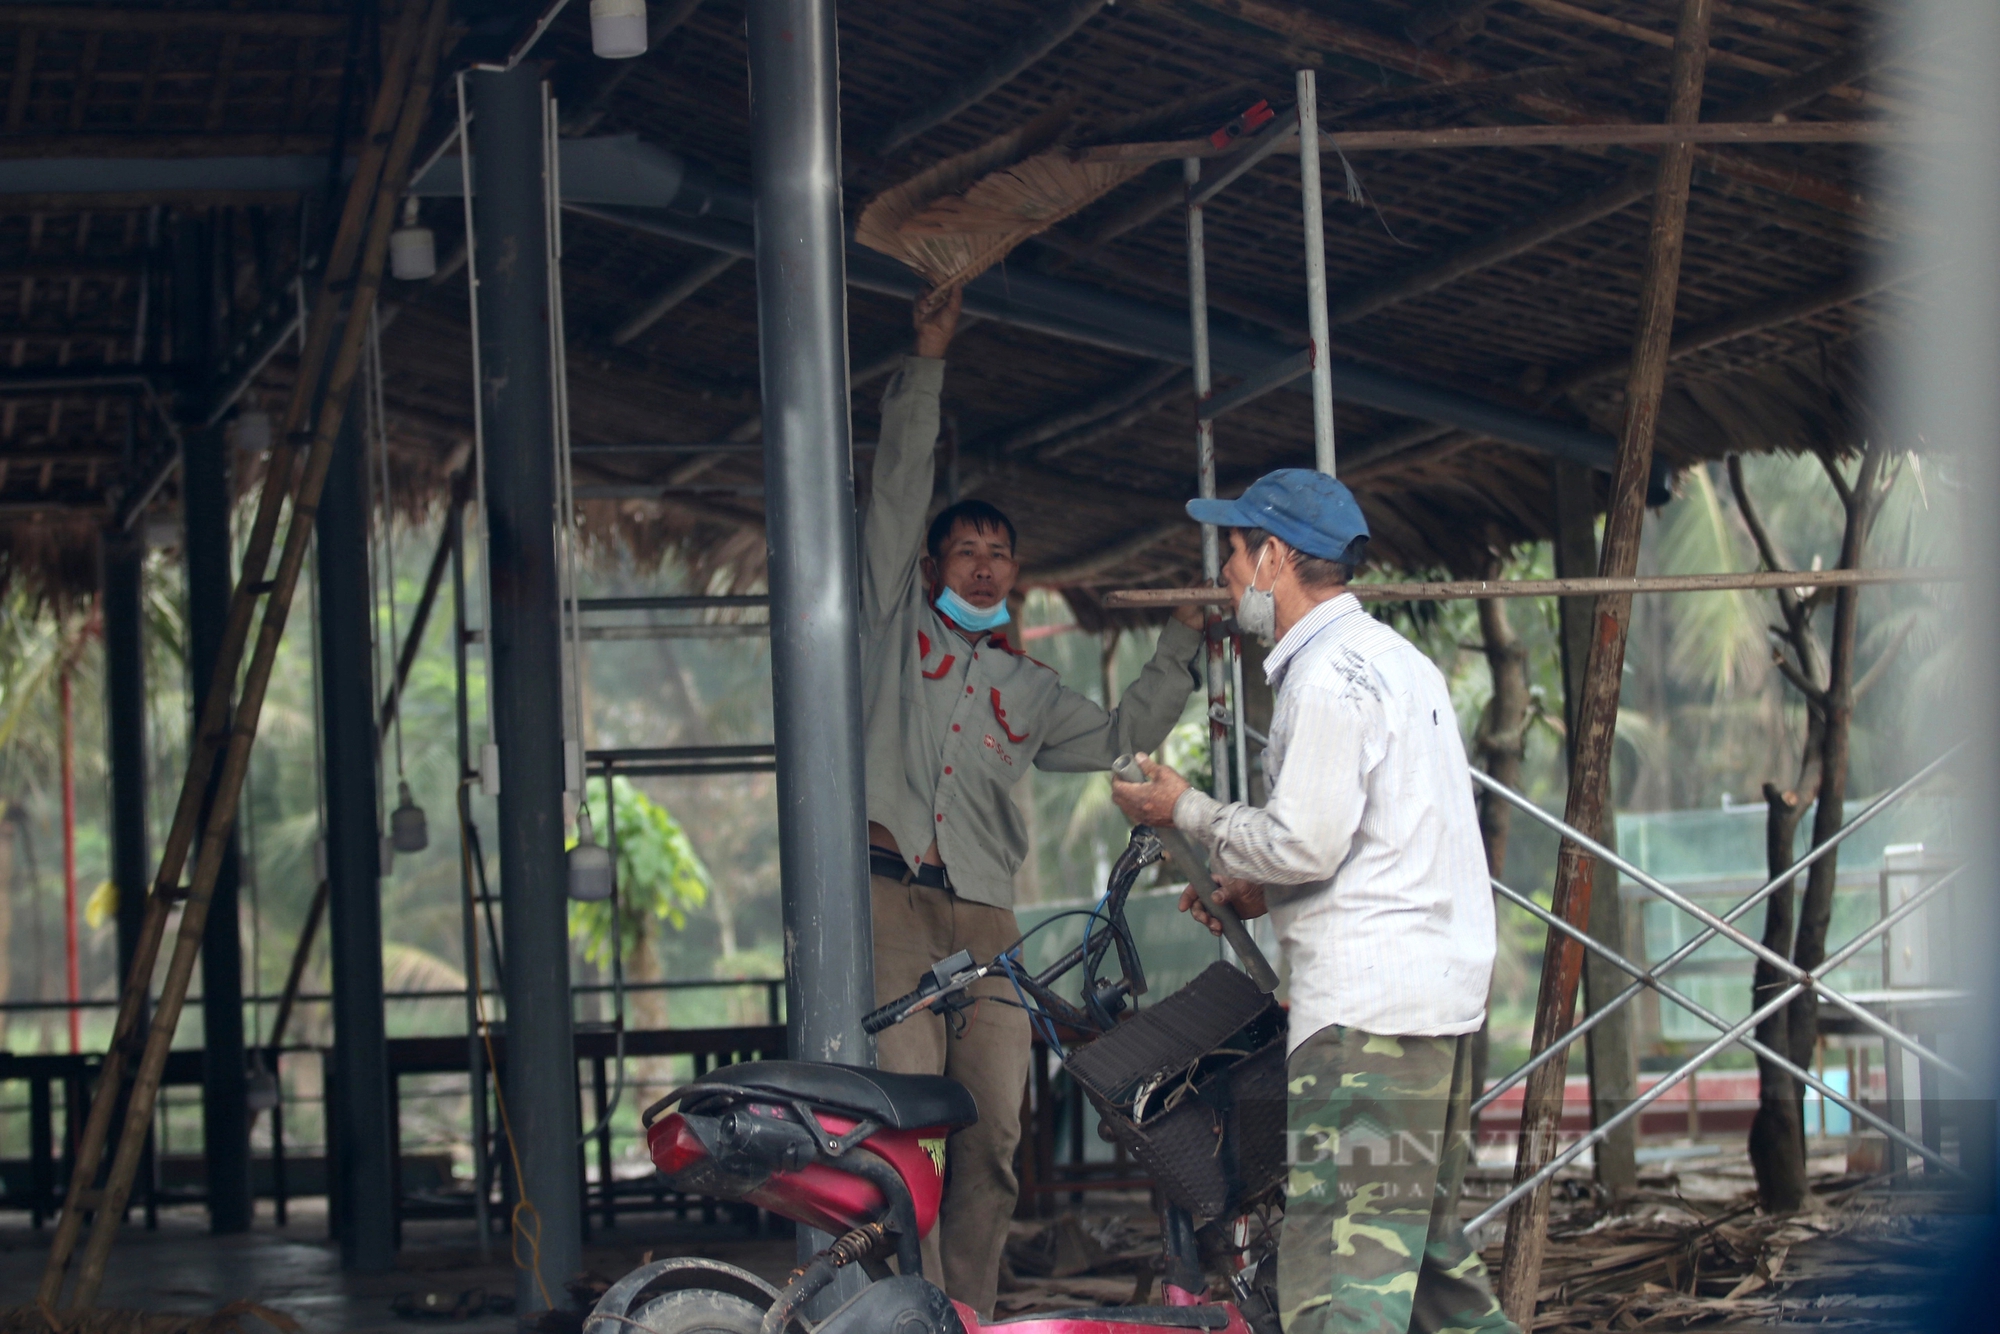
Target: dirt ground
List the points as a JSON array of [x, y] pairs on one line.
[[1690, 1251]]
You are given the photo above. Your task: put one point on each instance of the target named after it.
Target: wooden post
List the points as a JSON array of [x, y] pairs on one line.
[[359, 251], [1613, 1074], [1597, 713]]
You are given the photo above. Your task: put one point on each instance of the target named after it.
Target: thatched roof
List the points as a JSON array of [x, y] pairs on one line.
[[1454, 271]]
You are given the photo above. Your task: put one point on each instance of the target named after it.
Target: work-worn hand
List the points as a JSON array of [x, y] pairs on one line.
[[936, 324], [1151, 802], [1244, 896], [1192, 617]]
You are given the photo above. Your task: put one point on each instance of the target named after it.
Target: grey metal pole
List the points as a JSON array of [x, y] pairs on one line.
[[359, 1102], [1316, 320], [810, 526], [125, 732], [809, 506], [1204, 464], [517, 400]]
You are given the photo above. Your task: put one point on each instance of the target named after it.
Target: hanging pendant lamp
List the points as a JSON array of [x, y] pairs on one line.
[[589, 863]]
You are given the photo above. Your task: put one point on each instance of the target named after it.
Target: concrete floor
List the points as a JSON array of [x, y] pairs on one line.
[[181, 1268]]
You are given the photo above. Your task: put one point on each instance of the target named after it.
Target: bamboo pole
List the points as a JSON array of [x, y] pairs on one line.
[[213, 718], [1548, 136], [410, 81], [1593, 587], [1597, 713]]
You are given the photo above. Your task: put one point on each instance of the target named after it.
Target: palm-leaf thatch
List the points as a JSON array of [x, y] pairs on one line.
[[959, 218]]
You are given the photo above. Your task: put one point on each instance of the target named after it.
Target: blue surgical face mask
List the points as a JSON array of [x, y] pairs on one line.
[[968, 617]]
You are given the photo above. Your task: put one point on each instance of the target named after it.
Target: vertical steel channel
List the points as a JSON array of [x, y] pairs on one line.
[[810, 526], [517, 404], [359, 1103], [475, 976], [225, 1108], [1204, 462], [125, 730], [205, 508], [1316, 322]]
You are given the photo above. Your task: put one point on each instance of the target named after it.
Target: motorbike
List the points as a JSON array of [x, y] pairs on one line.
[[1193, 1086]]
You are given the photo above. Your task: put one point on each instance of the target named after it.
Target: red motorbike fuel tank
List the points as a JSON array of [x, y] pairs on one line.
[[821, 1195]]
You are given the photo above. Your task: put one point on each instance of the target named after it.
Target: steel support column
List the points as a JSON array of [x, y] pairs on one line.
[[225, 1110], [810, 528], [125, 732], [809, 507], [205, 500], [517, 401], [358, 1102]]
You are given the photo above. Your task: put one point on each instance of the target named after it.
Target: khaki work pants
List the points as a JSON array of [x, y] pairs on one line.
[[915, 926]]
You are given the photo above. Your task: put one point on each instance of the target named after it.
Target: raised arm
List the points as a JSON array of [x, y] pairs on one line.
[[892, 532]]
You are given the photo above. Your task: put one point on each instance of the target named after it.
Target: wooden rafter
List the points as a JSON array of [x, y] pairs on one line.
[[192, 144], [78, 18], [1546, 136], [1296, 23]]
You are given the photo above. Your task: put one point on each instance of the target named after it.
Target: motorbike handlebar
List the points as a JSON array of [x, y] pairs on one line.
[[895, 1012]]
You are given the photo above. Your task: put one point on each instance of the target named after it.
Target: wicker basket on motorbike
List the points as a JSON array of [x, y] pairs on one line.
[[1194, 1087]]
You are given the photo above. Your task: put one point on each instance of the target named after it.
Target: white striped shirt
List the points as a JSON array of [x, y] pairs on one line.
[[1369, 846]]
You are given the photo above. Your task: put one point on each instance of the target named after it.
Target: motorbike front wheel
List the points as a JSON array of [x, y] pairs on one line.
[[697, 1311]]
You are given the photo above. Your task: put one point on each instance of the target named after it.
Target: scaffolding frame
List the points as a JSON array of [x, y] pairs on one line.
[[1742, 1031], [1227, 747]]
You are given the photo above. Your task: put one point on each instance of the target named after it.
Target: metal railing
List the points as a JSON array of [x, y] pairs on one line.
[[1730, 1034]]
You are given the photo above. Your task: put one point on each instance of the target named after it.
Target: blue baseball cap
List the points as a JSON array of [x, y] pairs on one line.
[[1308, 510]]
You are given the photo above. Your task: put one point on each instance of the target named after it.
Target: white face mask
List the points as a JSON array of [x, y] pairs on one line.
[[1257, 609]]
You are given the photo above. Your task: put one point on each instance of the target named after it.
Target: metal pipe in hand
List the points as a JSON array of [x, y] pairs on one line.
[[1126, 770]]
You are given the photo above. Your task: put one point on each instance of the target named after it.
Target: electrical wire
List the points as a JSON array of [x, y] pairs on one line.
[[574, 775], [490, 780], [617, 968], [378, 426], [574, 778], [526, 1218], [370, 502]]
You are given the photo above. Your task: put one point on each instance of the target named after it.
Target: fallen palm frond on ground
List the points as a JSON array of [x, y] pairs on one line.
[[1689, 1256], [1664, 1262]]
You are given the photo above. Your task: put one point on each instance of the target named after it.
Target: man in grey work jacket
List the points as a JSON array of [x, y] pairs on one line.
[[956, 714]]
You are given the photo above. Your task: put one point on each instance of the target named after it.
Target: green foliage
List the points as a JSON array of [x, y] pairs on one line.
[[1186, 751], [660, 876]]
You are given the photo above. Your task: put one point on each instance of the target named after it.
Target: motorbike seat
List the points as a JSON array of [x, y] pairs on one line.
[[901, 1102]]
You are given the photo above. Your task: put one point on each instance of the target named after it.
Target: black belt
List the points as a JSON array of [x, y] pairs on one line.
[[885, 863]]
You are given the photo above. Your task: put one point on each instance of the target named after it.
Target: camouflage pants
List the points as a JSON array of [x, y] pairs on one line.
[[1379, 1140]]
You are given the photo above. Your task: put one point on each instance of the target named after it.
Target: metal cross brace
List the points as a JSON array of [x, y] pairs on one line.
[[1735, 1033], [1715, 1021], [1714, 926]]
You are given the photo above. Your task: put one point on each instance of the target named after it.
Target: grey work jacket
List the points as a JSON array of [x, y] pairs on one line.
[[954, 723]]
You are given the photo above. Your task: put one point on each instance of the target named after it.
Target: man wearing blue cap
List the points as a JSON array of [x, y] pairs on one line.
[[1368, 857]]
